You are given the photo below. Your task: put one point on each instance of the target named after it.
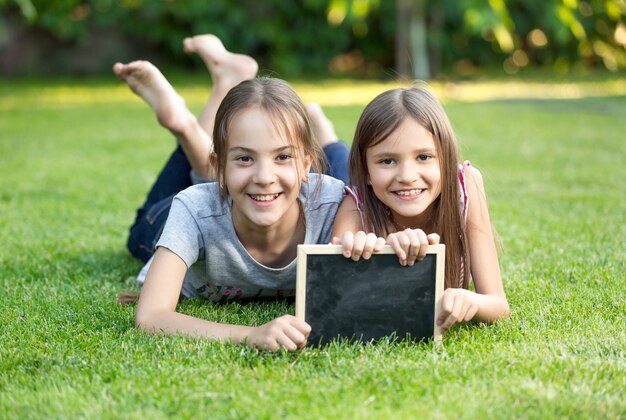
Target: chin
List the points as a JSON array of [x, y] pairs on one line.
[[265, 222]]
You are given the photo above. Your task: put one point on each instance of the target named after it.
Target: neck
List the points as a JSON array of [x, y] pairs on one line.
[[422, 221], [275, 245]]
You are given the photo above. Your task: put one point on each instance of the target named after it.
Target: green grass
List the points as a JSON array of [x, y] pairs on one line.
[[77, 159]]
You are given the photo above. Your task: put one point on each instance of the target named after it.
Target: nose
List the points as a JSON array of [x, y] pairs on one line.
[[407, 172], [264, 173]]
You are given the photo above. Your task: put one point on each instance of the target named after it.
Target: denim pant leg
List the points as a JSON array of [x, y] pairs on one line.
[[337, 160], [151, 217]]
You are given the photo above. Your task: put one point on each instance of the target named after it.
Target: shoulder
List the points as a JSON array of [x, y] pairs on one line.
[[473, 178], [326, 183], [322, 189], [349, 217], [352, 192], [202, 200], [470, 178], [476, 211], [471, 188]]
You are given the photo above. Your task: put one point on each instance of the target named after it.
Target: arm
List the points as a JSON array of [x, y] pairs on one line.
[[488, 303], [156, 312], [348, 232], [409, 245], [347, 218]]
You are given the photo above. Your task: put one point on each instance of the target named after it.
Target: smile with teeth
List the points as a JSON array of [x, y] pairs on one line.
[[409, 193], [264, 197]]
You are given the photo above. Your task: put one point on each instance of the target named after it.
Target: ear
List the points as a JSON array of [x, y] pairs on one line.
[[369, 181], [306, 167], [213, 169], [213, 161]]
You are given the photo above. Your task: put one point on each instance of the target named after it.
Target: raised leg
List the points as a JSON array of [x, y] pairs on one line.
[[335, 151], [147, 82], [152, 215], [227, 70]]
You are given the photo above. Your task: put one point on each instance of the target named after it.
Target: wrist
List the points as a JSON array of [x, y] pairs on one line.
[[240, 334]]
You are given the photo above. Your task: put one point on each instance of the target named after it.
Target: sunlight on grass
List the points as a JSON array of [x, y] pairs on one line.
[[482, 91], [328, 93]]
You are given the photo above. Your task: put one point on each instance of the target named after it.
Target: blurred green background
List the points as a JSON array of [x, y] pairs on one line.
[[306, 38]]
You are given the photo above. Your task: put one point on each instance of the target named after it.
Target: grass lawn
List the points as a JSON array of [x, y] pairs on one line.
[[77, 158]]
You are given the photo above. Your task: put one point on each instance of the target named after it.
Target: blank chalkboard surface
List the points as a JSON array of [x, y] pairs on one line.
[[368, 299]]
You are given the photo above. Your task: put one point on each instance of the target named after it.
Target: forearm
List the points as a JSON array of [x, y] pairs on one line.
[[491, 308], [171, 323]]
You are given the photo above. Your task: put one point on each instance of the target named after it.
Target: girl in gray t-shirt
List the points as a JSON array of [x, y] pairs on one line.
[[237, 237]]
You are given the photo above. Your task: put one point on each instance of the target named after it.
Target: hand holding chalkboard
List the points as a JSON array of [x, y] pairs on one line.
[[368, 299]]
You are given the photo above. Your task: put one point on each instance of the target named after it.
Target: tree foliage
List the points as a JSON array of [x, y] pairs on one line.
[[351, 35], [518, 33]]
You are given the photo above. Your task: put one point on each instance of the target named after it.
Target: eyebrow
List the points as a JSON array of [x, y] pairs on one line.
[[418, 151], [247, 150]]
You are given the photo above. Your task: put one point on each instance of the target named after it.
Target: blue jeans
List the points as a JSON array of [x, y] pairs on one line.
[[174, 177]]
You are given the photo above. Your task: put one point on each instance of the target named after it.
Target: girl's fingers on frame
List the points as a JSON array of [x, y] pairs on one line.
[[286, 342], [404, 239], [405, 243], [392, 241], [447, 303], [433, 239], [450, 308], [441, 319], [412, 245], [448, 322], [412, 255], [457, 309], [423, 244], [359, 245], [270, 344], [347, 241], [302, 326], [295, 337], [470, 309], [472, 314], [370, 243]]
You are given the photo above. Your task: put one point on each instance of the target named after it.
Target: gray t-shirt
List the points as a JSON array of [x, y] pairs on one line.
[[199, 229]]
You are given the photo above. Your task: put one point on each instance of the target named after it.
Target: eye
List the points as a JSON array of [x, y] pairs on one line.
[[387, 161], [424, 157], [283, 156], [243, 159]]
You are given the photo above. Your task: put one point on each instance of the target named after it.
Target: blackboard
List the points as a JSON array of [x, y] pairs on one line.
[[368, 299]]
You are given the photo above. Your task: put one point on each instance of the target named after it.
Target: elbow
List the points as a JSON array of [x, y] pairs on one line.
[[152, 320], [499, 311], [506, 314], [143, 320], [505, 311], [139, 321]]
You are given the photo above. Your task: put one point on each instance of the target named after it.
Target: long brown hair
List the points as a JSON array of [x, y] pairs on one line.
[[283, 106], [380, 118]]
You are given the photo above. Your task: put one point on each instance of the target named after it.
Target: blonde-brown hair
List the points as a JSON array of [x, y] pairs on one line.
[[380, 118], [283, 106]]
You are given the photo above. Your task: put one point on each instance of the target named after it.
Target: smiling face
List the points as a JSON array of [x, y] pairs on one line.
[[263, 173], [404, 173]]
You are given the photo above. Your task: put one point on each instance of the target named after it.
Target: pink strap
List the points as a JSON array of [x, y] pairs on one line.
[[354, 193], [463, 197]]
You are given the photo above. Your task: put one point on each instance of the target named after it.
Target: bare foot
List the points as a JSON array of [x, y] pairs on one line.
[[145, 80], [227, 69], [322, 127], [149, 84]]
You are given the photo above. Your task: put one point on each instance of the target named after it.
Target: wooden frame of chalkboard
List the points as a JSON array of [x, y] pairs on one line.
[[368, 299]]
